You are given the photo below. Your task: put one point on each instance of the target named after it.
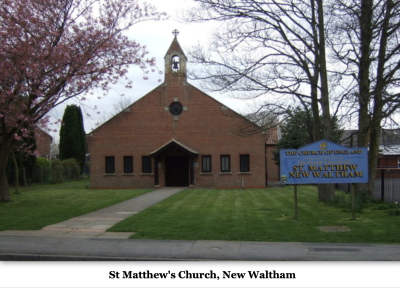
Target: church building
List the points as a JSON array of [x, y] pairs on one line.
[[178, 136]]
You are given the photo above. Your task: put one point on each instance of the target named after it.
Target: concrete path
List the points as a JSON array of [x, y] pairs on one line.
[[96, 223]]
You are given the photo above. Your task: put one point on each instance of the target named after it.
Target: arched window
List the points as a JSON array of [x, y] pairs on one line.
[[175, 63]]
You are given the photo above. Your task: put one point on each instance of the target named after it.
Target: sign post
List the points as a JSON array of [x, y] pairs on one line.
[[353, 202], [323, 162], [296, 210]]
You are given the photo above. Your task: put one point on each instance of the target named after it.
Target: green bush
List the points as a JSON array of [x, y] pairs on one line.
[[71, 168], [394, 209], [342, 200], [41, 171], [42, 162], [56, 171]]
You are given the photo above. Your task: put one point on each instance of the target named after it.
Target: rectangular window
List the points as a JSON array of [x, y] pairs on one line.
[[128, 164], [206, 163], [225, 163], [244, 163], [146, 164], [110, 164]]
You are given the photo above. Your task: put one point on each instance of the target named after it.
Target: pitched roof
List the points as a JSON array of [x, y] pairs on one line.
[[273, 136], [175, 47], [389, 150], [175, 143], [389, 142], [42, 132]]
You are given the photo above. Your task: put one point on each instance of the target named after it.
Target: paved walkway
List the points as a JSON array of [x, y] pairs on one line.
[[96, 249], [95, 224], [85, 238]]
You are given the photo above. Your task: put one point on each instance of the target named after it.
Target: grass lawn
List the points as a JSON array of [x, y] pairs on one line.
[[39, 206], [258, 215]]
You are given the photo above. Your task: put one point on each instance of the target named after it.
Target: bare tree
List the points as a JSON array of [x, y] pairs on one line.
[[118, 105], [366, 40], [266, 48]]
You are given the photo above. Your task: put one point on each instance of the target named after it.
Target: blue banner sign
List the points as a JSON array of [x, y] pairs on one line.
[[324, 162]]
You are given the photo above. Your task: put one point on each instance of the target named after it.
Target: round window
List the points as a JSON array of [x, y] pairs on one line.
[[176, 108]]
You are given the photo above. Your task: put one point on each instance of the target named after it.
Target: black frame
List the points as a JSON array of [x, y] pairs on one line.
[[206, 166], [110, 165], [225, 163], [176, 108], [146, 164], [245, 163], [128, 164]]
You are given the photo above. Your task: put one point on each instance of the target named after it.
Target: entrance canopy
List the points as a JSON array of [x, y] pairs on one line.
[[175, 143]]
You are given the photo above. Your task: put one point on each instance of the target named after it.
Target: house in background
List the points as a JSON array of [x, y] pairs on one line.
[[387, 177], [176, 135], [389, 146], [387, 183], [43, 143], [389, 149]]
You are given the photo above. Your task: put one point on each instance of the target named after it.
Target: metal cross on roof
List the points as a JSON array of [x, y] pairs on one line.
[[175, 32]]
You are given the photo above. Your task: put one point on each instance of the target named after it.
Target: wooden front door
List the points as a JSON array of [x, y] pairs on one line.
[[177, 171]]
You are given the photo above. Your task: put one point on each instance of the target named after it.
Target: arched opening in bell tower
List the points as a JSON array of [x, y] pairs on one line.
[[175, 63]]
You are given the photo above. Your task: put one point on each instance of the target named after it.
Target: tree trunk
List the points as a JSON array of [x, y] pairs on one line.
[[4, 154], [16, 172], [378, 99], [326, 192], [373, 159], [364, 93], [315, 79], [364, 72]]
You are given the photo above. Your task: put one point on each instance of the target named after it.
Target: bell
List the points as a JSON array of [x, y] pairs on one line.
[[175, 65]]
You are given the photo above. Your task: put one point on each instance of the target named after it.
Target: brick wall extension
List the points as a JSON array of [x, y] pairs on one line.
[[43, 143]]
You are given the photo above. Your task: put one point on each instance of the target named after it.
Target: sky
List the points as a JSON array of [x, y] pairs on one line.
[[157, 36]]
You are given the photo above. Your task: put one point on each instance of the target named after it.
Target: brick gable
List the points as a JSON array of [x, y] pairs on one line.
[[205, 125]]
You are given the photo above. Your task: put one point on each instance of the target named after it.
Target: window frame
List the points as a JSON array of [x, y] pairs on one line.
[[176, 108], [147, 167], [225, 160], [109, 164], [244, 163], [207, 164], [128, 163]]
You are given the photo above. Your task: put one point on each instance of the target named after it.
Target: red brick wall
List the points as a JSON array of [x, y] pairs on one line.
[[388, 161], [389, 165], [43, 143], [205, 125]]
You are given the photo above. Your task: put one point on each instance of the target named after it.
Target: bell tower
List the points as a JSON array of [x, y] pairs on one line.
[[175, 61]]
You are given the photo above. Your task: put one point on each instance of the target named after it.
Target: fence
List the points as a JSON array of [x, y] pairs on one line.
[[391, 189], [57, 173]]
